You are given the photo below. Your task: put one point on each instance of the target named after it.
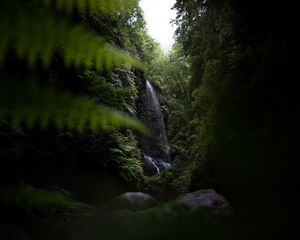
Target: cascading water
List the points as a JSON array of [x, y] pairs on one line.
[[154, 106], [156, 148]]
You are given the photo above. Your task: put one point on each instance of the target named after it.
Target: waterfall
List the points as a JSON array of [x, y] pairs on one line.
[[156, 148], [153, 105]]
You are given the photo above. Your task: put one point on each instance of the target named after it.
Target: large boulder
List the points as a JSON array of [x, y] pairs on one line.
[[207, 198], [134, 200]]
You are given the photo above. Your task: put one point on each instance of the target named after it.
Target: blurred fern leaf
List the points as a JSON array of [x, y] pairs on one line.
[[107, 6], [32, 104], [35, 33]]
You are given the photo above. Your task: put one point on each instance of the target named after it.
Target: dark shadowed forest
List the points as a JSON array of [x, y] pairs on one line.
[[105, 136]]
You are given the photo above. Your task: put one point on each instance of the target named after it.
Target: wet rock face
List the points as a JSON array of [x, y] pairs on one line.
[[207, 198], [134, 200], [153, 166]]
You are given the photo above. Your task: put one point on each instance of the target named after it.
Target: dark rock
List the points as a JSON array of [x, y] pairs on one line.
[[134, 200], [207, 198]]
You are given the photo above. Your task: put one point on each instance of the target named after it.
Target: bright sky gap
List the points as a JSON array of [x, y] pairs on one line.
[[158, 15]]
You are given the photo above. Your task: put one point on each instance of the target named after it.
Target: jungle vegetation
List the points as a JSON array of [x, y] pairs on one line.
[[71, 77]]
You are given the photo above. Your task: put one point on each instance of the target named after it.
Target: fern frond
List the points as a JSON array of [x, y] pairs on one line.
[[26, 102], [37, 34], [107, 6]]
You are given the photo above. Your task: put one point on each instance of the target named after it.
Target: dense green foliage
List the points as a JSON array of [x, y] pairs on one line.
[[72, 76], [66, 83], [237, 101], [240, 116]]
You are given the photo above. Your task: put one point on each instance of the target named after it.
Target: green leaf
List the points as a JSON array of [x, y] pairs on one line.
[[26, 102], [107, 6], [36, 33]]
